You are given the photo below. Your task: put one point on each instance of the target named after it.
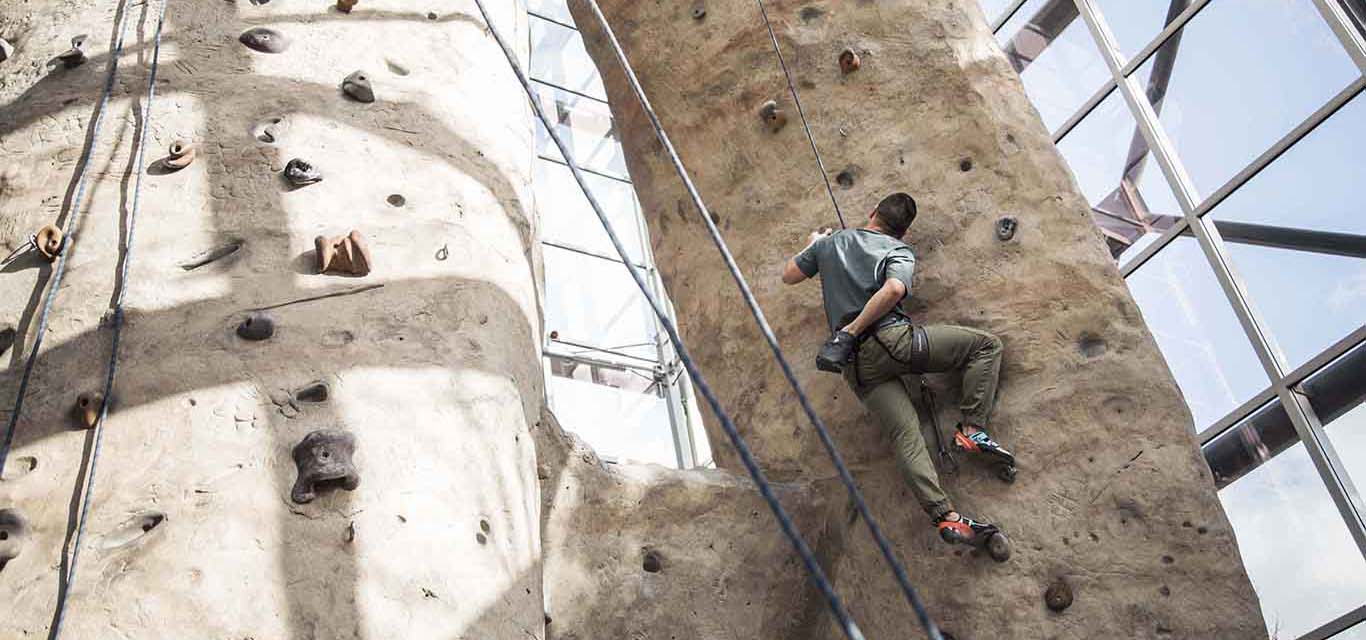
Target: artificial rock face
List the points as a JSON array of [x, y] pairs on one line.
[[1109, 473]]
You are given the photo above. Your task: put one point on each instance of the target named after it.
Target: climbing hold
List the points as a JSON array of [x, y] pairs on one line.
[[314, 392], [7, 334], [256, 327], [13, 533], [19, 467], [357, 85], [396, 200], [6, 50], [1058, 596], [87, 409], [441, 255], [772, 116], [212, 255], [849, 61], [965, 165], [179, 156], [1005, 228], [324, 461], [652, 562], [75, 56], [396, 68], [49, 241], [264, 39], [699, 10], [132, 530], [269, 131], [300, 172], [431, 15], [346, 254], [845, 178], [345, 6]]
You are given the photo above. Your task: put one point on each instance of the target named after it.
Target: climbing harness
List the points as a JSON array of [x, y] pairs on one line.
[[789, 529], [792, 87]]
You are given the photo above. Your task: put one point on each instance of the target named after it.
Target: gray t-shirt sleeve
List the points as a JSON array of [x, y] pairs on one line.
[[899, 264], [809, 259]]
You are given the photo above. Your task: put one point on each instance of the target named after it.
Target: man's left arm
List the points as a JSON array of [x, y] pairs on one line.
[[896, 285], [804, 264]]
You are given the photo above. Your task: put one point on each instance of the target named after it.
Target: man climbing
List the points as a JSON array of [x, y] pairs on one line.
[[865, 274]]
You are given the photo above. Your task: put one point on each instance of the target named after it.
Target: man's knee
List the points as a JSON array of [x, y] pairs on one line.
[[992, 344]]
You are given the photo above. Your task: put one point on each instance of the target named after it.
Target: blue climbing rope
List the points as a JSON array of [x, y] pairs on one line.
[[60, 268], [813, 567], [898, 568], [116, 329]]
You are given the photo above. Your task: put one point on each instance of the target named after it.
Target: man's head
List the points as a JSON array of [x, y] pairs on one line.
[[894, 214]]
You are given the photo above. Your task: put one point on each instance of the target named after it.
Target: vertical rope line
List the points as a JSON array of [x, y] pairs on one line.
[[117, 329], [818, 576], [801, 113], [898, 568]]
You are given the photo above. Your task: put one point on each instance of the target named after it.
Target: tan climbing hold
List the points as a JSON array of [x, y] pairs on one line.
[[849, 61], [345, 6], [346, 255], [88, 407], [180, 155], [49, 241], [772, 116]]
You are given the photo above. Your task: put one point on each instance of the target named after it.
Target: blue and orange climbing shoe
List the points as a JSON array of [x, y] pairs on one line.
[[965, 530], [980, 442]]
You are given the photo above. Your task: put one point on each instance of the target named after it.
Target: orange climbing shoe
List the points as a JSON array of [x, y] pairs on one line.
[[965, 530], [980, 442]]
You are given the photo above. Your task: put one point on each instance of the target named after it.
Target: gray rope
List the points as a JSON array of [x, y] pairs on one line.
[[117, 328], [801, 113], [813, 567], [898, 568]]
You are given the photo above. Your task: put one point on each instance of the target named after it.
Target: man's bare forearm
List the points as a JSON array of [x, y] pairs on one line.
[[878, 306]]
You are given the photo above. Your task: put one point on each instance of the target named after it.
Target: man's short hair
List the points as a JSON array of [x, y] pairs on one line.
[[896, 212]]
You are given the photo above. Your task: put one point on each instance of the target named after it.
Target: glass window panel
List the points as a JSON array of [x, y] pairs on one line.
[[1336, 393], [591, 301], [1304, 575], [567, 218], [1297, 237], [1189, 316], [1241, 75], [993, 9], [559, 57], [1135, 23], [553, 9], [586, 126], [620, 413], [1129, 197], [1049, 45]]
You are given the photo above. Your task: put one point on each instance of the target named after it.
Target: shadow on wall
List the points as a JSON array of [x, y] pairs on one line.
[[471, 325]]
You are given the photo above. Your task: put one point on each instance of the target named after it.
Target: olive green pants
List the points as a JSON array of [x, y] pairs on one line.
[[883, 377]]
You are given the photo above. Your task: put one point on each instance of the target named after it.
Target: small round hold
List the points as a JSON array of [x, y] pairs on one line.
[[88, 406], [264, 39], [179, 156], [300, 172], [345, 6], [772, 116], [1005, 228], [699, 11], [998, 545], [256, 327], [1058, 596], [357, 86], [1006, 473], [75, 56], [50, 241], [849, 61]]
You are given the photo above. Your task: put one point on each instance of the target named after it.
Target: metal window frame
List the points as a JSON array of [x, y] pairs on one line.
[[1306, 422], [664, 367]]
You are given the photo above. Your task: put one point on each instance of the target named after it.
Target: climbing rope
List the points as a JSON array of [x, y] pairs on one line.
[[800, 112], [121, 285], [818, 576], [60, 268], [898, 569]]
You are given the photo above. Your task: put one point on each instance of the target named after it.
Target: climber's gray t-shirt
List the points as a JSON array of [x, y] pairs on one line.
[[854, 263]]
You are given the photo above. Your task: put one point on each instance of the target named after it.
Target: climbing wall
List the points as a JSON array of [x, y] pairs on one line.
[[1114, 512], [424, 357]]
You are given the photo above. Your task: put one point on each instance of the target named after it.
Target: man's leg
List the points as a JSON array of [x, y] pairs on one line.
[[891, 403], [978, 354]]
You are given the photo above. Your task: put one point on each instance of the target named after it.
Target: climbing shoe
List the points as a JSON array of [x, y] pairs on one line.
[[965, 530], [836, 352], [981, 442]]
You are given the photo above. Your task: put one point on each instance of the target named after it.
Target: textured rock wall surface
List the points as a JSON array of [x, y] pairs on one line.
[[1113, 497], [193, 533]]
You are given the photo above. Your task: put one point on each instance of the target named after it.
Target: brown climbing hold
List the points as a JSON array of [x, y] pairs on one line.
[[49, 241], [301, 173], [1058, 596], [13, 533], [772, 116], [324, 460], [699, 10], [264, 39], [345, 6], [75, 56], [357, 85], [179, 156], [1005, 228], [849, 61], [87, 409], [345, 255]]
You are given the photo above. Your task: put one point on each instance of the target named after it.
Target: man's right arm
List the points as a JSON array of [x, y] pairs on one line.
[[803, 265]]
